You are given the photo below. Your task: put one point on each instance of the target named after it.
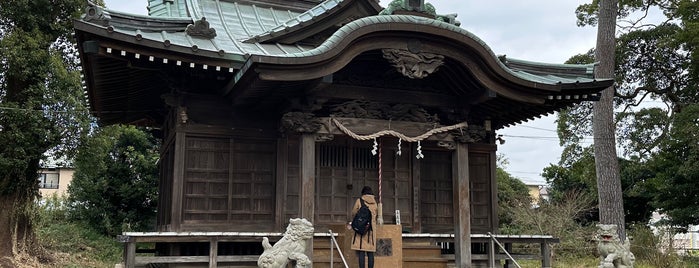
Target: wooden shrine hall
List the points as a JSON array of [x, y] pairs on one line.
[[277, 109]]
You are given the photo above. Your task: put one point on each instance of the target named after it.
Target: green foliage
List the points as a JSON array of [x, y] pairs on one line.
[[114, 187], [579, 176], [512, 193], [675, 169], [587, 13], [42, 106], [52, 209], [658, 62]]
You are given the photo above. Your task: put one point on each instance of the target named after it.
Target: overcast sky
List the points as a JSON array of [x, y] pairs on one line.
[[534, 30]]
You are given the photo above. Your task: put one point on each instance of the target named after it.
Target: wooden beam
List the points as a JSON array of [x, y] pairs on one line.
[[426, 99], [462, 207], [365, 126]]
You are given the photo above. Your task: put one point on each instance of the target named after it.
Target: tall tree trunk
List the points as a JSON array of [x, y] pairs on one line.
[[606, 162], [17, 236]]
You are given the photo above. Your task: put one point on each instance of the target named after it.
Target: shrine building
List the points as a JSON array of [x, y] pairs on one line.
[[275, 109]]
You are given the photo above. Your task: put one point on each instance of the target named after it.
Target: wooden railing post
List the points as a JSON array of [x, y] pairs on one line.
[[491, 253], [213, 252], [129, 257], [508, 262], [545, 254], [130, 254]]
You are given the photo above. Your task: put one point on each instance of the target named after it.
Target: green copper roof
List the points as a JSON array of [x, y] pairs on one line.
[[544, 73], [167, 8], [238, 24]]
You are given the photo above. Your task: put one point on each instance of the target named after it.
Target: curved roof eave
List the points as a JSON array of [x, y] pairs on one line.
[[109, 32], [371, 27]]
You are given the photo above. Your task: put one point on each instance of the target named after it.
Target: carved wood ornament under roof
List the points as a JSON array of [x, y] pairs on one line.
[[413, 65]]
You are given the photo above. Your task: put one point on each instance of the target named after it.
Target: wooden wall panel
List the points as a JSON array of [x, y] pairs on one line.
[[332, 200], [436, 198], [292, 193], [229, 182], [166, 163], [253, 187], [206, 173], [480, 175]]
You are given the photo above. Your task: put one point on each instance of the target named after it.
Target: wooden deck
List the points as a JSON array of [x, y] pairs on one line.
[[419, 250]]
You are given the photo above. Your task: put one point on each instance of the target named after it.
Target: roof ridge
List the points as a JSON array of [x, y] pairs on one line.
[[106, 17]]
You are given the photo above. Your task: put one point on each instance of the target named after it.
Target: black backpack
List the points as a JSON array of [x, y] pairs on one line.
[[361, 223]]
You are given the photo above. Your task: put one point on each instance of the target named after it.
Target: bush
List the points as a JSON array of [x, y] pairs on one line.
[[114, 188], [652, 249], [558, 219], [52, 208]]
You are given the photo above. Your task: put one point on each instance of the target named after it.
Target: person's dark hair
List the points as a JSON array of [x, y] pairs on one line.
[[367, 190]]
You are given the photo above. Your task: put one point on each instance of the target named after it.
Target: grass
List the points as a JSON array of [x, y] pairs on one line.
[[71, 244], [76, 246]]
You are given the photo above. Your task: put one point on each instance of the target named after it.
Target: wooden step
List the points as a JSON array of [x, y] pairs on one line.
[[421, 251], [424, 262]]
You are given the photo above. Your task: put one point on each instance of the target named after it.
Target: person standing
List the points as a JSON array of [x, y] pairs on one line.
[[365, 244]]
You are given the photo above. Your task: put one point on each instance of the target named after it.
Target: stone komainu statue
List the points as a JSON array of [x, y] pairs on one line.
[[290, 248], [613, 253]]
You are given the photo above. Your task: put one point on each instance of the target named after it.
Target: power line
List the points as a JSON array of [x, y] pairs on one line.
[[538, 128], [525, 172]]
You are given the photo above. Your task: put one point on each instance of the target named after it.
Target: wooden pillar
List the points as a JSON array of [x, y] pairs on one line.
[[307, 159], [178, 182], [462, 207], [281, 184]]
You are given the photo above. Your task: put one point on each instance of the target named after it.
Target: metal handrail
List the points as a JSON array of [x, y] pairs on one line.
[[334, 242], [503, 249]]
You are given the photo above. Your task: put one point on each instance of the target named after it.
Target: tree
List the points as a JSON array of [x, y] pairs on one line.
[[579, 177], [512, 194], [655, 61], [675, 169], [606, 164], [114, 187], [41, 108]]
